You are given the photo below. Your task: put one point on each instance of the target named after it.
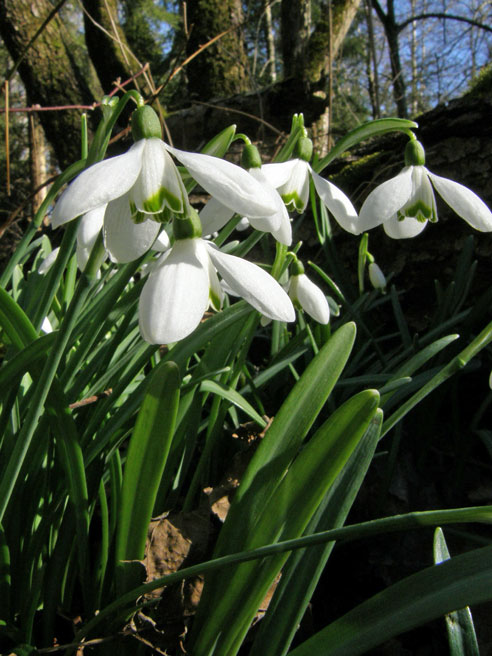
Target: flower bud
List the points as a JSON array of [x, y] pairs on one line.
[[251, 158], [145, 124], [414, 153], [376, 276]]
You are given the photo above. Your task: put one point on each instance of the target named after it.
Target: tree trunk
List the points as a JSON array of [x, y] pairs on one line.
[[221, 69], [295, 27], [50, 73], [322, 48], [106, 43], [391, 31], [319, 47]]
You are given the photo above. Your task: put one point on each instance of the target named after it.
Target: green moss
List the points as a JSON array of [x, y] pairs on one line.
[[481, 85]]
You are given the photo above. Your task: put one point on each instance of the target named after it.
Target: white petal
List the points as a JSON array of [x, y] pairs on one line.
[[278, 173], [98, 185], [89, 228], [296, 189], [385, 201], [256, 286], [230, 184], [283, 233], [48, 261], [175, 295], [404, 229], [337, 203], [376, 276], [46, 326], [159, 183], [464, 202], [124, 239], [243, 224], [214, 216], [162, 243], [311, 298]]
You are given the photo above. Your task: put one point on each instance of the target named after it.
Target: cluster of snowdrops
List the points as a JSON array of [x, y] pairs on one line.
[[138, 202]]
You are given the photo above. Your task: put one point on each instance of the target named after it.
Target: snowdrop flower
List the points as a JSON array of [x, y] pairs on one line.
[[216, 214], [291, 179], [143, 187], [376, 276], [404, 204], [308, 296], [184, 282]]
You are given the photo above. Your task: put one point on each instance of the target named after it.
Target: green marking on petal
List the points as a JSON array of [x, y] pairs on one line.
[[293, 201], [214, 300], [163, 217], [163, 197], [418, 210], [139, 217]]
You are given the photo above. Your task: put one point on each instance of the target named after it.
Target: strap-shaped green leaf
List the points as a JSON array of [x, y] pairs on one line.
[[459, 623], [284, 437], [146, 459], [290, 508], [363, 132], [462, 581], [234, 397], [303, 569]]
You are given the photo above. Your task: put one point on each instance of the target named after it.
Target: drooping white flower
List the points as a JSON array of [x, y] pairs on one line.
[[308, 296], [215, 215], [291, 179], [184, 282], [143, 187], [404, 204]]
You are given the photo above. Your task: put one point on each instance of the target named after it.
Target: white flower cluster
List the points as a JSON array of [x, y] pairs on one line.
[[130, 196]]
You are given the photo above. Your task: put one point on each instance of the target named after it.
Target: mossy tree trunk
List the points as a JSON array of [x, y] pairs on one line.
[[50, 71], [221, 69], [308, 54]]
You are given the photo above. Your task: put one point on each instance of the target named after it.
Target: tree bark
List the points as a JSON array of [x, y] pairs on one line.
[[221, 69], [49, 71], [106, 43]]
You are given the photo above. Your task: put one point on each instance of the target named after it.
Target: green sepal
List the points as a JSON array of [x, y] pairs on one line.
[[145, 124], [414, 153], [251, 158]]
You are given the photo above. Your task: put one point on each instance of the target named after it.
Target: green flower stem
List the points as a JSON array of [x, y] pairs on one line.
[[455, 365], [482, 514]]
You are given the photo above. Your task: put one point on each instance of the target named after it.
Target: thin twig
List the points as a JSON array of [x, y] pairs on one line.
[[238, 111], [90, 399], [7, 142]]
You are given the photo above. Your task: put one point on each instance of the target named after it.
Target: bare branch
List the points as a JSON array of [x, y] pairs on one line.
[[463, 19]]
